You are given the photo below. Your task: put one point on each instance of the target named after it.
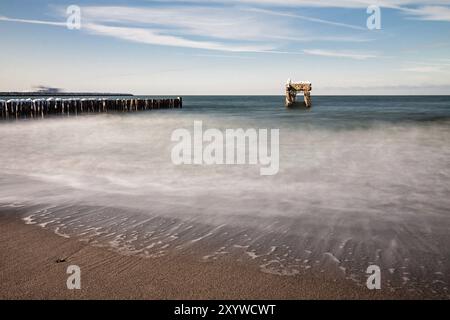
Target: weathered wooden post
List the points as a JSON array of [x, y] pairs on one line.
[[2, 108], [32, 109], [307, 99], [41, 107], [16, 108], [8, 108], [291, 94]]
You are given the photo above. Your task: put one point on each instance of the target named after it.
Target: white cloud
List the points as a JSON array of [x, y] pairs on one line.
[[148, 36], [430, 13], [339, 54], [218, 23], [211, 22], [215, 28], [311, 19], [422, 69], [151, 36], [431, 10], [49, 23], [349, 4]]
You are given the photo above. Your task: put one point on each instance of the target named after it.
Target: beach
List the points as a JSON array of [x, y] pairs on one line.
[[29, 270], [225, 150]]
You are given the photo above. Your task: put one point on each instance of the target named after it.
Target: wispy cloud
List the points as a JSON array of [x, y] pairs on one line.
[[221, 56], [339, 54], [151, 36], [345, 4], [431, 10], [49, 23], [430, 13], [211, 22], [422, 69], [223, 25], [220, 28], [336, 38], [311, 19]]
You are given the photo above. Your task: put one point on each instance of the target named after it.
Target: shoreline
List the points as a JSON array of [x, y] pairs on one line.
[[29, 270]]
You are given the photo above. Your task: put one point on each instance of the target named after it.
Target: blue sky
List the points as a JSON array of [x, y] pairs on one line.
[[226, 47]]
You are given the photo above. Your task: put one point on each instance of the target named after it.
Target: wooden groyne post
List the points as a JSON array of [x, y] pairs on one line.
[[41, 108], [293, 88]]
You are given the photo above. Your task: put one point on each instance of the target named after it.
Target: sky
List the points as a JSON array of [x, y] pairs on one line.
[[226, 47]]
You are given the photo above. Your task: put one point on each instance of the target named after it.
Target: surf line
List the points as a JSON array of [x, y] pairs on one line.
[[228, 147]]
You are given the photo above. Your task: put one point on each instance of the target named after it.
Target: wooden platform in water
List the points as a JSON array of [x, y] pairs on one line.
[[291, 93]]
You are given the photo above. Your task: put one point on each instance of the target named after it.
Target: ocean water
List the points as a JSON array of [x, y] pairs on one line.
[[362, 181]]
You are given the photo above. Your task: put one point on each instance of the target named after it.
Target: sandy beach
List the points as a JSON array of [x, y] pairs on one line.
[[29, 270]]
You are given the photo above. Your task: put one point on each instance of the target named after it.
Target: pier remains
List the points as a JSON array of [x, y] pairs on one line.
[[291, 93], [45, 107]]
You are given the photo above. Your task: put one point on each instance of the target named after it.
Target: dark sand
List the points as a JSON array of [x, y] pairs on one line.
[[28, 270]]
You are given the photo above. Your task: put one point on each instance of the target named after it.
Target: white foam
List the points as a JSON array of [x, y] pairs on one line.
[[332, 257], [29, 219]]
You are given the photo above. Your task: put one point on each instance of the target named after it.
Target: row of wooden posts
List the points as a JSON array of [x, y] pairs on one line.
[[41, 108]]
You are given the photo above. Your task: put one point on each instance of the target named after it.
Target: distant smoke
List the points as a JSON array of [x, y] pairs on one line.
[[45, 89]]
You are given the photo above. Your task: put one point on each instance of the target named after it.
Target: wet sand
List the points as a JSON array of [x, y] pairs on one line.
[[29, 270]]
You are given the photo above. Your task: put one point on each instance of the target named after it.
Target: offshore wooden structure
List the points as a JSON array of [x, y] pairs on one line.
[[292, 89], [41, 108]]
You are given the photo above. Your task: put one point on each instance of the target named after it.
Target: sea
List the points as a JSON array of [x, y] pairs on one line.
[[362, 181]]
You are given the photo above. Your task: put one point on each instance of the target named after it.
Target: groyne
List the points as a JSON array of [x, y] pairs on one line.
[[45, 107]]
